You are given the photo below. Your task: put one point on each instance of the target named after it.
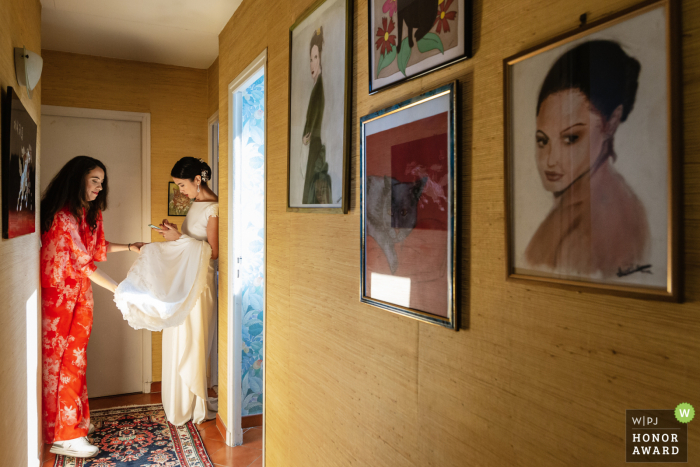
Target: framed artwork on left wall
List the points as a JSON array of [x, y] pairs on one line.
[[19, 134], [320, 71], [178, 203]]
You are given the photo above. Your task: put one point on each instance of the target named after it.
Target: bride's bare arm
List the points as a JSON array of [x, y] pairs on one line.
[[213, 236]]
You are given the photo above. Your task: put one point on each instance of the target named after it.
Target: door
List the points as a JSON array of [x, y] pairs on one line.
[[115, 352], [247, 243]]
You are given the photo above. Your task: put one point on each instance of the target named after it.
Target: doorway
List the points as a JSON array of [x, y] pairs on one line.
[[119, 356], [247, 244]]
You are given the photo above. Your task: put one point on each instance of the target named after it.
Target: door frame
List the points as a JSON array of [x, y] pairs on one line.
[[234, 432], [213, 119], [145, 120]]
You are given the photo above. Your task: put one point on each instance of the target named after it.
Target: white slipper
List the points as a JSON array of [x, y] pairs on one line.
[[78, 447]]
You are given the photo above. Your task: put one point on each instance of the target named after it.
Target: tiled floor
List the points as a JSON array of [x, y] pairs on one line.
[[247, 455]]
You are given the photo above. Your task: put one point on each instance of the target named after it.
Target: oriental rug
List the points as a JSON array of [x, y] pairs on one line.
[[141, 436]]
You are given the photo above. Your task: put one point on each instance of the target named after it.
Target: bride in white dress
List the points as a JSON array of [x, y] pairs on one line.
[[187, 347]]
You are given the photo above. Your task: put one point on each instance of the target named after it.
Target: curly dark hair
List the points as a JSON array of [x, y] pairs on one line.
[[68, 188]]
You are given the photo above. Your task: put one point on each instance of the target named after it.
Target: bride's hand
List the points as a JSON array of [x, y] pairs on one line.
[[165, 223], [170, 231]]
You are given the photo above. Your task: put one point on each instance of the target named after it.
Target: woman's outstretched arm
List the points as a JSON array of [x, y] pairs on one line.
[[103, 280], [115, 247]]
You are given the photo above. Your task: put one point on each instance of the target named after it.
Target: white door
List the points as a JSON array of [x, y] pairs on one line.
[[115, 351]]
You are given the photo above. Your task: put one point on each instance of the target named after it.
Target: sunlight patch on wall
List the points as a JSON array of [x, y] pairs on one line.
[[33, 376]]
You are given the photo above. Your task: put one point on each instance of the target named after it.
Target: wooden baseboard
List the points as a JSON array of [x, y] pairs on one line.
[[249, 421], [155, 386], [220, 425]]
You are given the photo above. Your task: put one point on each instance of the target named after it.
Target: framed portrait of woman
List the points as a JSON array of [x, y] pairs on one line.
[[408, 205], [592, 156], [320, 66], [409, 38]]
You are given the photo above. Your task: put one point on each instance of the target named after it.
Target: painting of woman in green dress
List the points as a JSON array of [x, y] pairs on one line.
[[320, 57], [317, 182]]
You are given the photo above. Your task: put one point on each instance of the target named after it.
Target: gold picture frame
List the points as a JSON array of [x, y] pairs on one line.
[[318, 138], [613, 223]]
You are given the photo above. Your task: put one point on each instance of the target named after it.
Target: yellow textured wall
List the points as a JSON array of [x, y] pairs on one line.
[[213, 88], [176, 98], [541, 376], [20, 25]]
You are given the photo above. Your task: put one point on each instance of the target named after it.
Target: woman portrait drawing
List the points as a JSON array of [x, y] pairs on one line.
[[317, 182], [590, 157], [319, 93], [597, 224]]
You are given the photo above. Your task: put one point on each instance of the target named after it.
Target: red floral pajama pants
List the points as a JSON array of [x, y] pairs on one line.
[[66, 325]]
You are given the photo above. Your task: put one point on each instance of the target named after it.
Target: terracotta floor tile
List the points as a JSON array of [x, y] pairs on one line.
[[213, 445], [211, 432], [257, 462], [206, 424], [253, 438], [240, 456], [48, 457]]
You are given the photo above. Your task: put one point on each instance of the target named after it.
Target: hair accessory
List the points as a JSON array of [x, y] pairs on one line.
[[205, 177]]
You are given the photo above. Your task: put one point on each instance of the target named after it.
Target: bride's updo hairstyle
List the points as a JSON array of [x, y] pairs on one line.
[[189, 167]]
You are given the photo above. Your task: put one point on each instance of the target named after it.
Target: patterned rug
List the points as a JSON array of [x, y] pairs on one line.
[[140, 436]]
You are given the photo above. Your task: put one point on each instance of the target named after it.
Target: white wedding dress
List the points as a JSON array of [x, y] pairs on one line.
[[171, 287], [186, 348]]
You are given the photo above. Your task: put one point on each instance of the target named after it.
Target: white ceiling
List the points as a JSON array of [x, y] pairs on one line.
[[173, 32]]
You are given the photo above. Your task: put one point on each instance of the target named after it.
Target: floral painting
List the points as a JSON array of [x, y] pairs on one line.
[[178, 203], [412, 37], [253, 242]]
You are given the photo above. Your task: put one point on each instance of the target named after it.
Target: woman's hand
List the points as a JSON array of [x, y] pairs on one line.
[[306, 138], [137, 246], [169, 231]]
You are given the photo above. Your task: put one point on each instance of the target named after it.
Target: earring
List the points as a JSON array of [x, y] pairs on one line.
[[197, 188]]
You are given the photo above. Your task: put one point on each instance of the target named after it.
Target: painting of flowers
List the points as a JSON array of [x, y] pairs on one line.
[[409, 38], [178, 203]]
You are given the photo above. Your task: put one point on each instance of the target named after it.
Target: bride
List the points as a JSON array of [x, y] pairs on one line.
[[187, 347]]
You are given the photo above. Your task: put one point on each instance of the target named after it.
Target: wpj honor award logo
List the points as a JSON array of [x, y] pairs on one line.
[[658, 435]]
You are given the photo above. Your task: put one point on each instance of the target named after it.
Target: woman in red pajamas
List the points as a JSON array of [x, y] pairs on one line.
[[72, 240]]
